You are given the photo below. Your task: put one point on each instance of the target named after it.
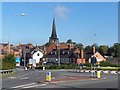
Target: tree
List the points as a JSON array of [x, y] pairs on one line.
[[88, 48], [103, 49], [116, 49], [69, 41], [79, 45], [47, 44], [111, 51], [8, 62]]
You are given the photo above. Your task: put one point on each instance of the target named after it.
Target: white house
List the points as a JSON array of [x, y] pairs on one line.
[[37, 55]]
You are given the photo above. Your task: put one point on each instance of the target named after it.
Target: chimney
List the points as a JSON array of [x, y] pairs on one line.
[[70, 46], [93, 49], [82, 56]]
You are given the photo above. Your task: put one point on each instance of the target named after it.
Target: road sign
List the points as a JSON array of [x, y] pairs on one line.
[[17, 59]]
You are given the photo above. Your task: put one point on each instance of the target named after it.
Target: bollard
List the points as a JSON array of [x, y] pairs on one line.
[[98, 74], [43, 68], [48, 76]]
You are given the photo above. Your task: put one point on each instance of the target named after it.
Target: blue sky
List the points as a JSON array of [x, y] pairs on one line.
[[77, 21]]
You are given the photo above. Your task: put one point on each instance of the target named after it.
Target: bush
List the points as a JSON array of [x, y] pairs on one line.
[[87, 64], [62, 66], [107, 63], [8, 62]]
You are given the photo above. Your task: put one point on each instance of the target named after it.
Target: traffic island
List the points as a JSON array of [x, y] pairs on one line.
[[73, 78]]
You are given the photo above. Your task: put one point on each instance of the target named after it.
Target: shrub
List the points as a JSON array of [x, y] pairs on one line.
[[62, 66], [87, 64], [8, 62], [107, 63]]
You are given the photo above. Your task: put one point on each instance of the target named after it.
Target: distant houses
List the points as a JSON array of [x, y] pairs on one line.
[[64, 53], [54, 53]]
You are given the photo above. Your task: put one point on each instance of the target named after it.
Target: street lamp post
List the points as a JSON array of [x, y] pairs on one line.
[[59, 56], [24, 51], [58, 49], [24, 55]]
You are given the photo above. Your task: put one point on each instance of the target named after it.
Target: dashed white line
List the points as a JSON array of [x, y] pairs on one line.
[[24, 78], [23, 85], [34, 86], [12, 77]]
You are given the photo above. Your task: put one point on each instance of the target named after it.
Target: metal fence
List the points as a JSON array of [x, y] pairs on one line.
[[6, 71]]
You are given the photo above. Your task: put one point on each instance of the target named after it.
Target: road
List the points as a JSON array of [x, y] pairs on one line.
[[35, 79]]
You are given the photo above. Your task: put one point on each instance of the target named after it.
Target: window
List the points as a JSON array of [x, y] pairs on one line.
[[63, 52], [38, 54], [2, 51], [55, 52]]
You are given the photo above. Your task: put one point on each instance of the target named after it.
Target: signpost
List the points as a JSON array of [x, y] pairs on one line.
[[17, 60]]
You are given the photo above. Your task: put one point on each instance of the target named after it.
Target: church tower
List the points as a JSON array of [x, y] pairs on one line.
[[53, 37]]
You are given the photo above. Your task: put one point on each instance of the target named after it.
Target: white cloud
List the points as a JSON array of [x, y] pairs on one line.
[[61, 11]]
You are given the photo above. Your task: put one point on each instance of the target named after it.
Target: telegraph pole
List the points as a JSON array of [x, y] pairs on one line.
[[58, 49]]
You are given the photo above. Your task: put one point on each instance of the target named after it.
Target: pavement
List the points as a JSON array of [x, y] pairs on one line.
[[60, 79], [73, 78]]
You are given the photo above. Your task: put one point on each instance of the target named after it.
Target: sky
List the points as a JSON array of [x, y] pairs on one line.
[[83, 22]]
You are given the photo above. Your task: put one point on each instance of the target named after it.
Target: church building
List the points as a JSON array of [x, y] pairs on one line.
[[53, 38]]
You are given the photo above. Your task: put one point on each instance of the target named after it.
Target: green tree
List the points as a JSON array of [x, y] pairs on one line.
[[88, 48], [69, 41], [80, 46], [103, 49], [116, 49], [8, 62], [47, 44], [111, 51]]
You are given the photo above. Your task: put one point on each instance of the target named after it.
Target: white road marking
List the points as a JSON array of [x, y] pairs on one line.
[[105, 71], [12, 77], [35, 86], [24, 78], [23, 85]]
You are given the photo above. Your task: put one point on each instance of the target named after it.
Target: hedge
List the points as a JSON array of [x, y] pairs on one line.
[[103, 64], [62, 66]]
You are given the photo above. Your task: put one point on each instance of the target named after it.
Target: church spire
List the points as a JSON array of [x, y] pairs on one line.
[[53, 35]]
